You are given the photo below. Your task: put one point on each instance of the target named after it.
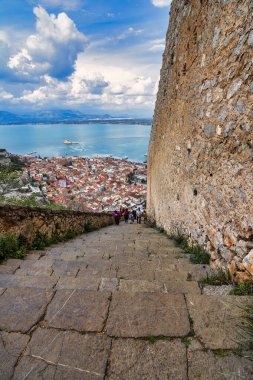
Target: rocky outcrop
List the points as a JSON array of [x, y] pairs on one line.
[[201, 147], [28, 221]]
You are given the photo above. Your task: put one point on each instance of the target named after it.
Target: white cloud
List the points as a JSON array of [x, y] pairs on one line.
[[63, 4], [4, 95], [99, 84], [52, 50], [161, 3], [130, 31], [157, 45]]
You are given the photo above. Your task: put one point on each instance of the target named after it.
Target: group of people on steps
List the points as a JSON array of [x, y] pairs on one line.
[[129, 216]]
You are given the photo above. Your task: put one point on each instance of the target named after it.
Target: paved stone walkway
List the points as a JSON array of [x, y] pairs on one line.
[[115, 304]]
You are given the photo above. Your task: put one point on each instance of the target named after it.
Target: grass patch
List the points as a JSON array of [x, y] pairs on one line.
[[154, 339], [221, 353], [11, 247], [186, 342], [198, 255], [217, 279], [192, 332], [244, 288], [246, 327]]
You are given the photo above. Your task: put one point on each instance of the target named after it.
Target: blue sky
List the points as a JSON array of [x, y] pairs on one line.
[[90, 55]]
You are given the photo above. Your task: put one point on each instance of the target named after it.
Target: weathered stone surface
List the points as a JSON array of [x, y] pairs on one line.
[[69, 268], [85, 283], [180, 286], [133, 272], [200, 151], [135, 286], [69, 354], [215, 320], [248, 262], [222, 290], [10, 266], [78, 310], [208, 366], [145, 314], [16, 281], [22, 308], [11, 346], [131, 359], [109, 284]]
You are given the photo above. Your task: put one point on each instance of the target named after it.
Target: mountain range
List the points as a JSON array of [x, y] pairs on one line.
[[62, 116]]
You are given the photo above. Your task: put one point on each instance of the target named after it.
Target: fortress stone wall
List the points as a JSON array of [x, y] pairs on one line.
[[28, 221], [200, 166]]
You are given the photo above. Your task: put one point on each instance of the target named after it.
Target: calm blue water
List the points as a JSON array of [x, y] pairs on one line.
[[47, 140]]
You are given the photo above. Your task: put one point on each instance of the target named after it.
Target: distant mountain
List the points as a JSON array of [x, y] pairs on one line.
[[64, 116], [9, 118]]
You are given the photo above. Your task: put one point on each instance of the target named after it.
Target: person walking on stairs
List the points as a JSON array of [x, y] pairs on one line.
[[138, 215]]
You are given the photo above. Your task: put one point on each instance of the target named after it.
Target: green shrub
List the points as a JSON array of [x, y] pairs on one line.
[[40, 241], [11, 247], [244, 288], [217, 279], [8, 245]]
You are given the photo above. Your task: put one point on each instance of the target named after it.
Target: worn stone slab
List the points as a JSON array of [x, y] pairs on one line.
[[208, 366], [215, 319], [2, 291], [30, 368], [194, 272], [11, 346], [135, 286], [133, 272], [136, 359], [34, 271], [181, 286], [85, 283], [22, 308], [16, 281], [70, 354], [66, 268], [10, 266], [146, 314], [169, 273], [78, 310], [90, 272], [109, 284]]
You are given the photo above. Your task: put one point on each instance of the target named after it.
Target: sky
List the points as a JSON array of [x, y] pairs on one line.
[[94, 56]]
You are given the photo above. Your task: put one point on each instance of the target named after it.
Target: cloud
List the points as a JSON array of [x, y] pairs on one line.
[[130, 31], [5, 96], [157, 45], [52, 50], [67, 5], [161, 3], [96, 84]]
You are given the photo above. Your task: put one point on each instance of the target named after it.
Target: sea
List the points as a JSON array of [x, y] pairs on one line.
[[94, 139]]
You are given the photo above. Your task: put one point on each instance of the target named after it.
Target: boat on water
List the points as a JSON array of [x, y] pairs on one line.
[[70, 142]]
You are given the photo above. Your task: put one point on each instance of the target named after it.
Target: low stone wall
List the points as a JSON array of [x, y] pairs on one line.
[[28, 221]]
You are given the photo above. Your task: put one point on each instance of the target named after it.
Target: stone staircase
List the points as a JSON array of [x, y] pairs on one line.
[[119, 303]]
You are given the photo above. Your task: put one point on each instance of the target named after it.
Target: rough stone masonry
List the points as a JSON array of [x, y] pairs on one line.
[[200, 165]]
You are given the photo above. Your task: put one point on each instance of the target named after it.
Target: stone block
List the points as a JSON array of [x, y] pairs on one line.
[[145, 314], [109, 284], [22, 308], [215, 320], [68, 355], [136, 359], [135, 286], [11, 346], [85, 283], [208, 366], [78, 310]]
